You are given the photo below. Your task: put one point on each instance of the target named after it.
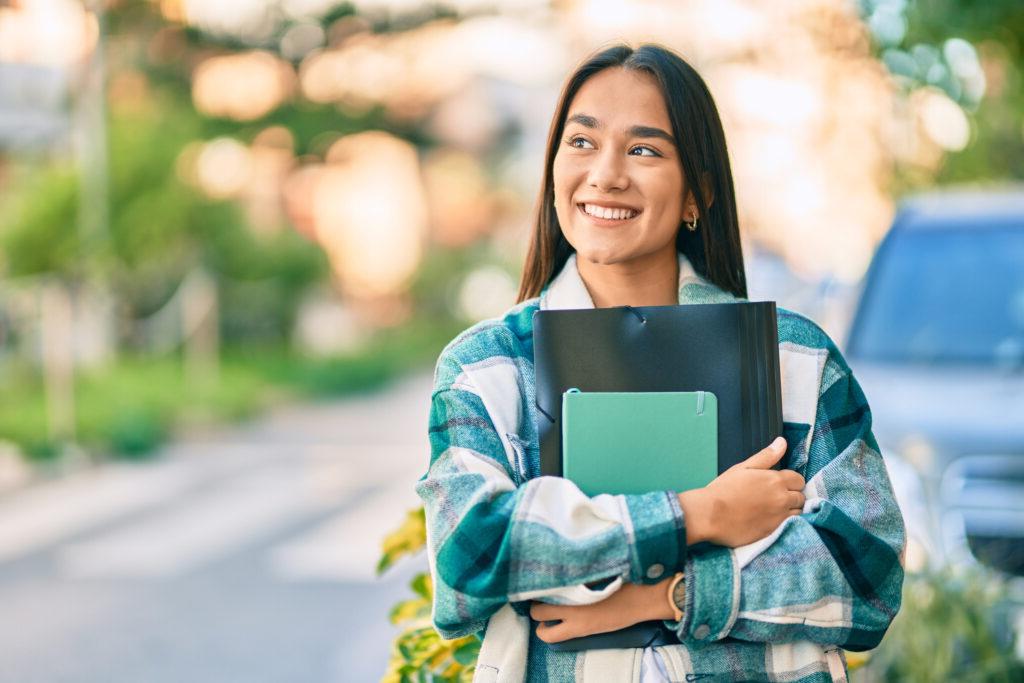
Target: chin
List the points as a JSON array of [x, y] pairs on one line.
[[602, 257]]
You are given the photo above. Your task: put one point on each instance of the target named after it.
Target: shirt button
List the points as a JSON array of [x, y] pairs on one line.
[[702, 632], [655, 570]]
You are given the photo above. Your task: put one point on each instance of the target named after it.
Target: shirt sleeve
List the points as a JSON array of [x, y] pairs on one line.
[[492, 540], [832, 575]]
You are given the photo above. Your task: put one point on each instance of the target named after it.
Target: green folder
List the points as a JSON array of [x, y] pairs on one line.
[[635, 442]]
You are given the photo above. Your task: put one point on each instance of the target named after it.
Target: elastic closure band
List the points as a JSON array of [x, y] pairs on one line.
[[636, 313]]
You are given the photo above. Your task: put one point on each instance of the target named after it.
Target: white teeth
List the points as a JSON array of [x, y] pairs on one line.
[[602, 212]]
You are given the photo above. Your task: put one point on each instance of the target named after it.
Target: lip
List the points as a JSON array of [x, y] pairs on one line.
[[604, 204], [608, 205]]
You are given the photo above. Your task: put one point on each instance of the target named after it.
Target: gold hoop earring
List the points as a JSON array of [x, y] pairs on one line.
[[692, 227]]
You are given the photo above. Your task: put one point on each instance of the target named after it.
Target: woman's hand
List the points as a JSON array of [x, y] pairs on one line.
[[631, 604], [744, 503]]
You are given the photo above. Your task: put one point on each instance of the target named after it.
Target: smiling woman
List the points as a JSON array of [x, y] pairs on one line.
[[619, 186], [764, 574], [636, 129]]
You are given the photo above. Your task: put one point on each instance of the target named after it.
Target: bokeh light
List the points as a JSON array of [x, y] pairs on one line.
[[370, 214], [242, 86], [46, 32]]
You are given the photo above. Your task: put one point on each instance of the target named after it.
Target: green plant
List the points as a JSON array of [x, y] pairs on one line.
[[136, 432], [954, 625], [419, 653]]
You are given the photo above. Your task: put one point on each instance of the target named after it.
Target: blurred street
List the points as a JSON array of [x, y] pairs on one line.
[[223, 226], [241, 555]]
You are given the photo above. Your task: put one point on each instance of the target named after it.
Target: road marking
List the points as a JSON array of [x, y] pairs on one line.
[[205, 527], [347, 547], [46, 513]]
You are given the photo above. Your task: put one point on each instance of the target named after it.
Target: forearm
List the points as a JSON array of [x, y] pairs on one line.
[[651, 601], [631, 604], [540, 541], [831, 575]]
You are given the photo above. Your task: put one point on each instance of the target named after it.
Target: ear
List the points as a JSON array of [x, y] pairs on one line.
[[690, 206]]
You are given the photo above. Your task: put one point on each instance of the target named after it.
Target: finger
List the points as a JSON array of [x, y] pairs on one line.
[[554, 633], [767, 457], [541, 611], [793, 480], [796, 500]]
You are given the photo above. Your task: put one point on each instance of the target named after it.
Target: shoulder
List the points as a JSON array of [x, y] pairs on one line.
[[801, 336], [796, 328], [506, 338]]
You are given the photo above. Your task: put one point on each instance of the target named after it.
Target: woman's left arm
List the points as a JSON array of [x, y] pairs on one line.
[[831, 575]]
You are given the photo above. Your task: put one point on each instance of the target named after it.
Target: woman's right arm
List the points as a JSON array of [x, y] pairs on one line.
[[490, 541]]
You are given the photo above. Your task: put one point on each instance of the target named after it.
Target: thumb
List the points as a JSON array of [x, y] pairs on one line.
[[768, 456]]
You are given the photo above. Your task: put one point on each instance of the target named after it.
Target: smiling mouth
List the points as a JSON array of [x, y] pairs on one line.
[[608, 216]]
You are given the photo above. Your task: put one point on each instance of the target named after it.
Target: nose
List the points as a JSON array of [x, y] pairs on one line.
[[608, 171]]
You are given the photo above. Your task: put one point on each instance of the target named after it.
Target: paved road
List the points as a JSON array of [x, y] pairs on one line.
[[245, 555]]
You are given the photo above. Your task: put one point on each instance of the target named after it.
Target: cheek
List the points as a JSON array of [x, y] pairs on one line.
[[560, 175], [669, 200]]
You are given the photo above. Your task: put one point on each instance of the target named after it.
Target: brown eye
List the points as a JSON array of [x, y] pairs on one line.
[[649, 149]]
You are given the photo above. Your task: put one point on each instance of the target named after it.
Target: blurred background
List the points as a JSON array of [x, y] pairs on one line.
[[234, 237]]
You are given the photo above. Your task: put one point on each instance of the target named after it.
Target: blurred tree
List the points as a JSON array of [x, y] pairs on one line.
[[948, 44], [159, 229]]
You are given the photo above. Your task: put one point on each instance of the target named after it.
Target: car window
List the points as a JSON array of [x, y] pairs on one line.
[[945, 296]]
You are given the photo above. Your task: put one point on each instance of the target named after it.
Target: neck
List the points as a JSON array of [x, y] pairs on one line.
[[651, 282]]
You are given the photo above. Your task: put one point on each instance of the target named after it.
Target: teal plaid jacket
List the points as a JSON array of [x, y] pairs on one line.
[[500, 535]]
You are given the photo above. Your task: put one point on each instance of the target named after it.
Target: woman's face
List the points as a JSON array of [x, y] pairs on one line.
[[618, 159]]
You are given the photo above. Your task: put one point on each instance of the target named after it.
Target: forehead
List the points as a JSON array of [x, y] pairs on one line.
[[620, 98]]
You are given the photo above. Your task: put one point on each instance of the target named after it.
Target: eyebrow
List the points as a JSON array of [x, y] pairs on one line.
[[634, 131]]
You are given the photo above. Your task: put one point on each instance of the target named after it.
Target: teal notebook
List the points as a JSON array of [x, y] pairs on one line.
[[635, 442]]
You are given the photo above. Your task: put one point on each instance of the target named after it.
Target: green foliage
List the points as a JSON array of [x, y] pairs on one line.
[[408, 539], [953, 626], [914, 50], [127, 408], [159, 228], [419, 653], [136, 432], [131, 406], [39, 232]]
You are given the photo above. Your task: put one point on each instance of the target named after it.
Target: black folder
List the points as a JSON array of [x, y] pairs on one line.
[[729, 349]]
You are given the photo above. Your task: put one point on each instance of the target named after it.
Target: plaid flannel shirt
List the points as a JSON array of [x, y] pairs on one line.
[[500, 535]]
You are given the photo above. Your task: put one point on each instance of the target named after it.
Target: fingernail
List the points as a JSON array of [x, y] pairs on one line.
[[778, 444]]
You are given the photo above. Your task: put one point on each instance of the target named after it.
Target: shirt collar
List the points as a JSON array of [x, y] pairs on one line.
[[567, 289]]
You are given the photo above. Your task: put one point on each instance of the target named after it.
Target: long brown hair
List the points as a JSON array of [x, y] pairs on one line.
[[714, 249]]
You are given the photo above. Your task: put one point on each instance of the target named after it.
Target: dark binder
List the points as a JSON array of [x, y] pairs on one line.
[[729, 349]]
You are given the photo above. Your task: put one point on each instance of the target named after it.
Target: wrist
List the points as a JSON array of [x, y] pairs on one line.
[[697, 517], [675, 596], [656, 606]]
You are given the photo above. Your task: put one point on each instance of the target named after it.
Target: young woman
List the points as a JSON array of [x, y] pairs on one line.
[[764, 574]]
